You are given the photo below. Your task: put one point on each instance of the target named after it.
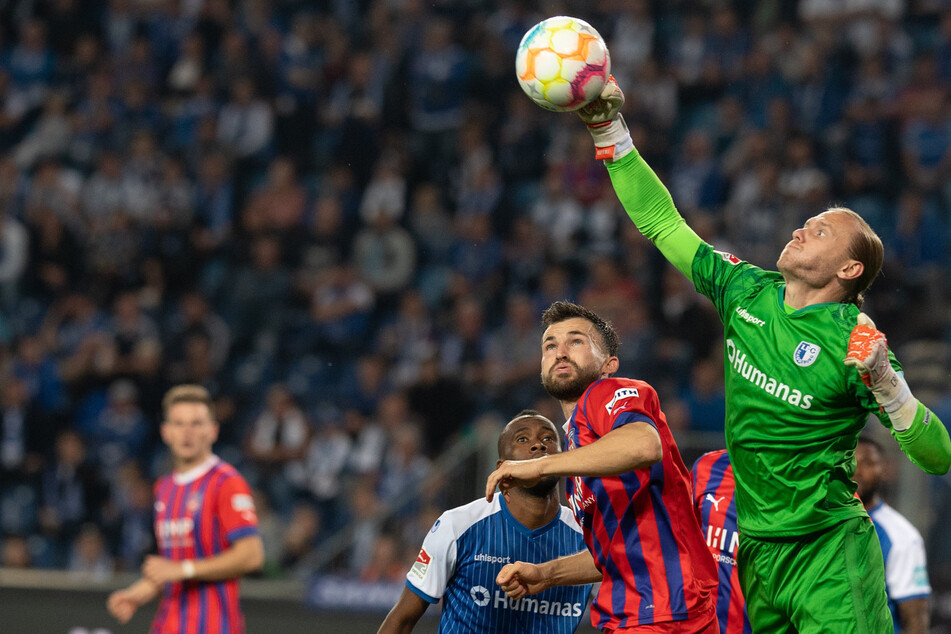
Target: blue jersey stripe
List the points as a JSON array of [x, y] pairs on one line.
[[668, 545]]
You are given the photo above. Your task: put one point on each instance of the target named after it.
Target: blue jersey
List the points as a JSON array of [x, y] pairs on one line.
[[464, 552], [906, 574]]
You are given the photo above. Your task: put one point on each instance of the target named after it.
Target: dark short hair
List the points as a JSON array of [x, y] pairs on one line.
[[563, 310], [186, 393], [871, 442], [528, 413], [866, 247]]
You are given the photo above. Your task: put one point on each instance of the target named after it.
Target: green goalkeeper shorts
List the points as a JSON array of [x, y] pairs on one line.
[[832, 582]]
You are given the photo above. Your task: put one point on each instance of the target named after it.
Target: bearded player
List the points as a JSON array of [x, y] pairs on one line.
[[205, 525], [804, 369]]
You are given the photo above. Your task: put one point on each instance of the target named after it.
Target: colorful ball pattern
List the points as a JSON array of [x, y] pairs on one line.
[[562, 63]]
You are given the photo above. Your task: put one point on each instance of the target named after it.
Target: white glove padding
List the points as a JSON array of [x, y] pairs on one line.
[[605, 123], [868, 354]]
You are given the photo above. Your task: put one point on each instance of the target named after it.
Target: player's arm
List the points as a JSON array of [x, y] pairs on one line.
[[123, 603], [920, 433], [632, 446], [914, 616], [245, 555], [523, 578], [644, 198], [405, 614]]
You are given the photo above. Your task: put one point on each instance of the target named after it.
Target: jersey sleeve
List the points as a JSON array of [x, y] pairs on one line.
[[236, 510], [906, 575], [436, 562], [613, 403], [725, 279]]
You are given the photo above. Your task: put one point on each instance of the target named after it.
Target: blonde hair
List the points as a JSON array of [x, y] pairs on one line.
[[187, 393], [866, 247]]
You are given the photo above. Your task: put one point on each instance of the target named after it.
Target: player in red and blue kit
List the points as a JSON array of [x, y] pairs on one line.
[[713, 496], [628, 486], [205, 525]]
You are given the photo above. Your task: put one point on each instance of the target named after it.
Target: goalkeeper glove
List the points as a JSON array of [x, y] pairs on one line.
[[605, 123], [868, 354]]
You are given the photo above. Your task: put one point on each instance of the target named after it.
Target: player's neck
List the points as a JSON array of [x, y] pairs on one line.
[[873, 500], [532, 511], [798, 294], [567, 408], [183, 465]]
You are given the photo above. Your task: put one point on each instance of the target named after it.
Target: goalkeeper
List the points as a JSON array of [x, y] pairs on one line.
[[804, 368]]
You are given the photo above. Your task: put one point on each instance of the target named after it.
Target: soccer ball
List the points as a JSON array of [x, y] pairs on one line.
[[562, 63]]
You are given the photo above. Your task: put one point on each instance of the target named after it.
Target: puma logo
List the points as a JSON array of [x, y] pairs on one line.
[[715, 501]]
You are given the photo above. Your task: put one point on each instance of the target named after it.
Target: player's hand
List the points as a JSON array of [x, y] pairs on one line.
[[122, 604], [160, 570], [605, 108], [514, 473], [868, 353], [521, 578]]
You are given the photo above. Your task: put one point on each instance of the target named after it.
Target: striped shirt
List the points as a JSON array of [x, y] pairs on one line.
[[639, 526], [464, 552], [199, 514], [713, 495]]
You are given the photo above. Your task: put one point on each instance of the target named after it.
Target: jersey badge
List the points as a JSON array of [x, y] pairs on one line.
[[620, 395], [435, 526], [806, 354], [728, 257], [194, 503], [421, 565], [480, 595]]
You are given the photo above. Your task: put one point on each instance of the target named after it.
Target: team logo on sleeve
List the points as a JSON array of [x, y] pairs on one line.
[[806, 354], [244, 505], [421, 565], [728, 257], [620, 395]]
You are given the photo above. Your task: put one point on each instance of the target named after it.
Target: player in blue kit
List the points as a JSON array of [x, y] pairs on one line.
[[468, 545]]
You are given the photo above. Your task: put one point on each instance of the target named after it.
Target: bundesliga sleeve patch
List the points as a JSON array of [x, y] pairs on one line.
[[728, 257], [421, 565]]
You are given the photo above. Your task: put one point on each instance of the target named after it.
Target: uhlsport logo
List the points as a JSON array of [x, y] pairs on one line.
[[480, 596], [805, 354]]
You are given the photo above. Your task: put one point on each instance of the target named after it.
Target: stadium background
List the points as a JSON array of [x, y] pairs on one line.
[[343, 218]]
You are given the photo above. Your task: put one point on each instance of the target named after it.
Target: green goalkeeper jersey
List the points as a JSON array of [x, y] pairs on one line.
[[794, 410]]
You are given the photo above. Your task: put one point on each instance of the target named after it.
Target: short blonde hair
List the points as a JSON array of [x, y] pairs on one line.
[[187, 393]]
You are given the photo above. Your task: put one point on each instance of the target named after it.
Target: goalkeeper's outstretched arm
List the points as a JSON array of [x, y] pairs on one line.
[[644, 197]]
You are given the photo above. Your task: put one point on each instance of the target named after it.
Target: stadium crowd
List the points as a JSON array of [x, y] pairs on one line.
[[344, 219]]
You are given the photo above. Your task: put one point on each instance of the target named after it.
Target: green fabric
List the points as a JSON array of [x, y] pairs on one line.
[[832, 582], [926, 442], [649, 205], [791, 426]]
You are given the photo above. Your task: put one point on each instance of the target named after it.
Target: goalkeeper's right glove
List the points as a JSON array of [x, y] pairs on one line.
[[606, 124]]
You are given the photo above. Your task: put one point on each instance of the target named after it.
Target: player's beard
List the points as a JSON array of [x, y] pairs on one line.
[[544, 487], [571, 389]]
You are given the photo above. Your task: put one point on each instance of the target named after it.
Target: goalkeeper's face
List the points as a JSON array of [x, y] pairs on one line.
[[819, 251], [572, 359]]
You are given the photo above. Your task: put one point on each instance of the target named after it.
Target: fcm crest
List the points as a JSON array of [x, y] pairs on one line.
[[806, 353]]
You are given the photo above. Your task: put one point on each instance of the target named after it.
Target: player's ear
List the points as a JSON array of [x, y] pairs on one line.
[[498, 463], [610, 366], [851, 270]]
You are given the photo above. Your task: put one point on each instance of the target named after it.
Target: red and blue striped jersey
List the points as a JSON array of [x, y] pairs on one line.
[[639, 526], [713, 489], [199, 514]]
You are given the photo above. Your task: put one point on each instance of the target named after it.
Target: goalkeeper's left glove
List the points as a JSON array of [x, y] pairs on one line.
[[605, 123], [868, 353]]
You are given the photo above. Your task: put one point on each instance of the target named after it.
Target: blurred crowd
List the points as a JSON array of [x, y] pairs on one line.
[[344, 218]]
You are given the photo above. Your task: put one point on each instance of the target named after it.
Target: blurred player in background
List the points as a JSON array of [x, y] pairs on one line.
[[906, 573], [205, 525], [468, 545], [807, 561], [713, 499], [627, 485]]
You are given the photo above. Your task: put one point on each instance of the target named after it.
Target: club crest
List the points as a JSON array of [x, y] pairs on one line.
[[806, 354]]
